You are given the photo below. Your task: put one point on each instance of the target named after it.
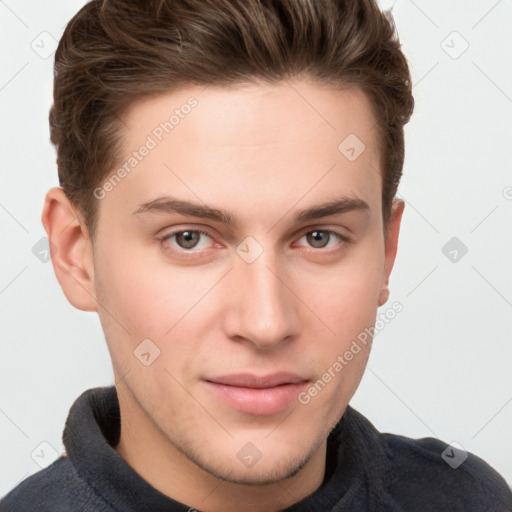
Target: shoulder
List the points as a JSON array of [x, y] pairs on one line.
[[57, 488], [424, 475], [431, 471]]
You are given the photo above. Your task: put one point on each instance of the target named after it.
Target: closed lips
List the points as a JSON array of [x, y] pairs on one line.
[[258, 382]]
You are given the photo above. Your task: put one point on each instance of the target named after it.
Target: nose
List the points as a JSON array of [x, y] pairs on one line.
[[262, 310]]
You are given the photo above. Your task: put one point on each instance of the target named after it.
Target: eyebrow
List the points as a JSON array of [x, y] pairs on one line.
[[169, 205], [343, 205]]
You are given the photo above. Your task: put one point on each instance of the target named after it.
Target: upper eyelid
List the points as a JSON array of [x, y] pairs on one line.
[[300, 232], [333, 231], [339, 233], [173, 231]]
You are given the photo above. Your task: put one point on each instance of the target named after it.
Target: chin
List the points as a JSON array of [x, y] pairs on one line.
[[264, 472]]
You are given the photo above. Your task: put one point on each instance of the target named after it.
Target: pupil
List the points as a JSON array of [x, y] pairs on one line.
[[187, 239], [318, 239]]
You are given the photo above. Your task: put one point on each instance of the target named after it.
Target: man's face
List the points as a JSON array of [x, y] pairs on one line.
[[204, 249]]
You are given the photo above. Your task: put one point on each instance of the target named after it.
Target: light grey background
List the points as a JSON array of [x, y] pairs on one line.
[[441, 368]]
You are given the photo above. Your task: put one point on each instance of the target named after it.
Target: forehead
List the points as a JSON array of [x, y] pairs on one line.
[[257, 144]]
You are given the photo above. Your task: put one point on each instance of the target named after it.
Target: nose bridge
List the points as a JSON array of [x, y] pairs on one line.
[[262, 308]]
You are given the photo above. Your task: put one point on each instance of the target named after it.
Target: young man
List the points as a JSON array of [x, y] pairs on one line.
[[228, 172]]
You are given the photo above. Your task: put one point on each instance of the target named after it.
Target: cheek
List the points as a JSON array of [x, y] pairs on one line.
[[150, 299], [345, 297], [346, 300]]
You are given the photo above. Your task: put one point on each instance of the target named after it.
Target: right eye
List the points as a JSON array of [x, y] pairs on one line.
[[188, 239]]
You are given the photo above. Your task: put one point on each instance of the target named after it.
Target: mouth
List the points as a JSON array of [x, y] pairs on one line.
[[257, 395]]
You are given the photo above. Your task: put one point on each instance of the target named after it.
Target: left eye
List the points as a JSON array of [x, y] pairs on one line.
[[189, 239], [320, 239]]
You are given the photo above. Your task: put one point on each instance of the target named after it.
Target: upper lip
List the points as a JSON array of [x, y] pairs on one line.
[[247, 380]]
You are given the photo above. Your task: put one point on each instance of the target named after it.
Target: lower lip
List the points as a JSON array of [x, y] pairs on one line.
[[264, 401]]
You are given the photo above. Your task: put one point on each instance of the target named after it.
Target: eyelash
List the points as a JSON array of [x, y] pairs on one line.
[[193, 252]]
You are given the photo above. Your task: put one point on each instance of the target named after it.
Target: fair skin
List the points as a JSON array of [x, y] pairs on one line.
[[262, 155]]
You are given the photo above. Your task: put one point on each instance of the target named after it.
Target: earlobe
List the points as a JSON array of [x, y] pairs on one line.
[[391, 245], [71, 249]]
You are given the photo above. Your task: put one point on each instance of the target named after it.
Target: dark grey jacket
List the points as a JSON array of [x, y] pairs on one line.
[[365, 471]]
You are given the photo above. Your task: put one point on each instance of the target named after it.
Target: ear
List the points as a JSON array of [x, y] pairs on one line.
[[391, 245], [70, 249]]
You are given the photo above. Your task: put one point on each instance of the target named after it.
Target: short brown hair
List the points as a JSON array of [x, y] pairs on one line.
[[113, 52]]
